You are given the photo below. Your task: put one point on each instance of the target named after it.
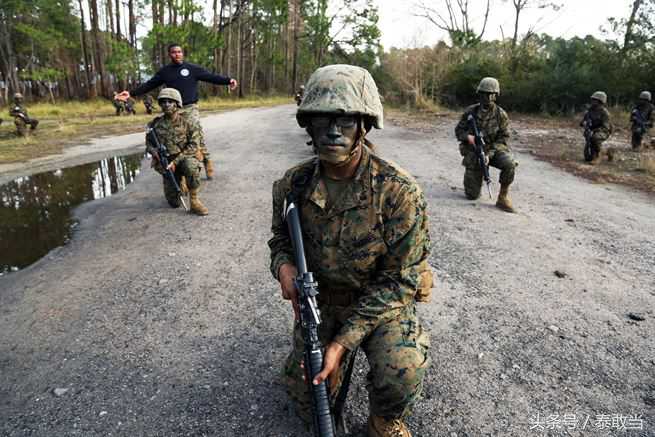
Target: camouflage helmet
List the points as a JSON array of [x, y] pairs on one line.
[[341, 89], [489, 85], [645, 95], [170, 93], [18, 96], [600, 96]]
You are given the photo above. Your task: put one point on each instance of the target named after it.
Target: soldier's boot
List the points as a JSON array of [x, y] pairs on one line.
[[504, 202], [196, 206], [596, 159], [209, 168], [184, 188], [381, 427]]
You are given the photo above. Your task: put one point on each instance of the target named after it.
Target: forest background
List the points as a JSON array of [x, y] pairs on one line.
[[60, 50]]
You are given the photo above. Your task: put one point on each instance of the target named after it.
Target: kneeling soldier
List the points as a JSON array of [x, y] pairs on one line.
[[365, 233], [181, 139], [641, 119], [493, 124], [21, 119], [598, 128]]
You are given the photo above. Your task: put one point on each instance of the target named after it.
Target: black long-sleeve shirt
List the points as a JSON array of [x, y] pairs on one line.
[[183, 77]]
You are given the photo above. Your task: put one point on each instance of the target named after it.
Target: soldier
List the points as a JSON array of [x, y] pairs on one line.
[[184, 77], [129, 106], [21, 118], [641, 119], [300, 94], [493, 124], [148, 103], [181, 139], [366, 238], [119, 105], [597, 121]]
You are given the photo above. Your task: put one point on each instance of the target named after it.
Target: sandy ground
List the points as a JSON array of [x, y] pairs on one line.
[[157, 323]]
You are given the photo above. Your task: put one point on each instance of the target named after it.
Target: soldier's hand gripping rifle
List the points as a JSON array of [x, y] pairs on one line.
[[163, 159], [588, 135], [479, 152], [310, 319]]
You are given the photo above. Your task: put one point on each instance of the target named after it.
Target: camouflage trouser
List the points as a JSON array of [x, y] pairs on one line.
[[596, 147], [637, 139], [188, 167], [21, 125], [193, 115], [500, 159], [397, 353]]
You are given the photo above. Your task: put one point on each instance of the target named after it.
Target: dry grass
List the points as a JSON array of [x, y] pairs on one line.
[[71, 123]]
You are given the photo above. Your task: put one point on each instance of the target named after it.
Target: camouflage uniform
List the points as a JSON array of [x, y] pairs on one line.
[[119, 105], [643, 111], [129, 106], [494, 126], [369, 255], [181, 139], [21, 118], [149, 103], [600, 126], [193, 115]]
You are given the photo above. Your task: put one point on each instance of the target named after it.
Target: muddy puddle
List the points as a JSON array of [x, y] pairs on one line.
[[36, 211]]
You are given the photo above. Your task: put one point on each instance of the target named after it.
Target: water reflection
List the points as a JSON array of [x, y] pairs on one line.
[[35, 211]]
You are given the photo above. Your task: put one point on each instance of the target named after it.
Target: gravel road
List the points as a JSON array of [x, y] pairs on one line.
[[152, 322]]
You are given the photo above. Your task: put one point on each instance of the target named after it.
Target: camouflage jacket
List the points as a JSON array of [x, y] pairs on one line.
[[493, 125], [643, 112], [601, 127], [180, 137], [16, 110], [372, 245]]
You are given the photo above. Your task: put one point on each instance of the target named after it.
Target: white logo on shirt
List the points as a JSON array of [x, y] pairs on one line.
[[184, 72]]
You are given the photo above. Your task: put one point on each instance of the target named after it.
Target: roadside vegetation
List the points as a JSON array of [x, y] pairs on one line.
[[77, 122]]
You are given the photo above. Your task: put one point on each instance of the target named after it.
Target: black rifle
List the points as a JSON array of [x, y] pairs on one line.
[[479, 152], [164, 162], [310, 319], [588, 134]]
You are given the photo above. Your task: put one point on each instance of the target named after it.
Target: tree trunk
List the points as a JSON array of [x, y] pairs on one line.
[[130, 6], [91, 91], [99, 48], [627, 40], [110, 18], [118, 19]]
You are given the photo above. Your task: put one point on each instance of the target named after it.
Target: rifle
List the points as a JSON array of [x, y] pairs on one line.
[[479, 152], [163, 161], [588, 133], [310, 319]]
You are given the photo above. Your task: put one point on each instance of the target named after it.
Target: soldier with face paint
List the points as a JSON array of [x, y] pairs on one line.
[[21, 118], [641, 118], [365, 231], [597, 118], [493, 123], [181, 139]]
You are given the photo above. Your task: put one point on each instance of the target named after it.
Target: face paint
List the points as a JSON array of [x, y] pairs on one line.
[[487, 100], [335, 138], [168, 107]]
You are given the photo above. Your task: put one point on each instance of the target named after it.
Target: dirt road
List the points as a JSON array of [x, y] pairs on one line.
[[155, 323]]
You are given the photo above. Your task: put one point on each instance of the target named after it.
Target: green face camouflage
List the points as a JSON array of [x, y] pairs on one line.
[[341, 89]]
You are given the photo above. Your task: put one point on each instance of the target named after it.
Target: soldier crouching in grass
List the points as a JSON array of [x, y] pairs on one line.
[[181, 139], [21, 118], [365, 233]]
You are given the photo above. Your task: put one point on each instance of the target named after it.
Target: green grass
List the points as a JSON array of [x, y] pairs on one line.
[[74, 122]]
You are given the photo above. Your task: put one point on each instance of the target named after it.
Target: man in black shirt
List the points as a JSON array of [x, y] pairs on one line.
[[184, 77]]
